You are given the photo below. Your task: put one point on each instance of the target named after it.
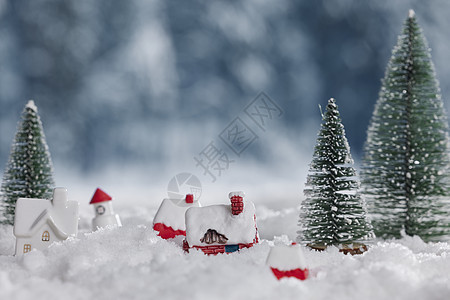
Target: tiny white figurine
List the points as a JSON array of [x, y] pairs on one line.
[[39, 222], [222, 228], [104, 214], [287, 261], [169, 219]]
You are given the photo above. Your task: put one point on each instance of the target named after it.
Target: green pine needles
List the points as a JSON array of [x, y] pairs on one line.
[[29, 170], [405, 171], [333, 212]]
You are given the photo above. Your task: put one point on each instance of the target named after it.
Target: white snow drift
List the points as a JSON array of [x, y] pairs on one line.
[[131, 262]]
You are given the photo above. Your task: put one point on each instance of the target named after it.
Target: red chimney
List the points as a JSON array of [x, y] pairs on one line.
[[237, 202], [189, 198]]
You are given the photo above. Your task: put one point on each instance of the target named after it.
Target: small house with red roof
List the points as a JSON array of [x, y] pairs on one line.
[[104, 213], [169, 219], [40, 222], [222, 228], [287, 261]]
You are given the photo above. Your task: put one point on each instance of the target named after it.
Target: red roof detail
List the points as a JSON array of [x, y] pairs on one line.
[[301, 274], [167, 232], [100, 196]]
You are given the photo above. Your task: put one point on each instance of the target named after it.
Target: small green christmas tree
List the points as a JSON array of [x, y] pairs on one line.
[[29, 170], [405, 171], [333, 212]]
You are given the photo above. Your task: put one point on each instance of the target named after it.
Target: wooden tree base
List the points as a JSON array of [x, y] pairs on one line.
[[353, 249]]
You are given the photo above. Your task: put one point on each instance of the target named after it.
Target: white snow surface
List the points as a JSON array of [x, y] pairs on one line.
[[286, 257], [171, 213], [237, 228], [131, 262]]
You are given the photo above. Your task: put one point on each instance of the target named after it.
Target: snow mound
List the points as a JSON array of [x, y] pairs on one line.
[[131, 262]]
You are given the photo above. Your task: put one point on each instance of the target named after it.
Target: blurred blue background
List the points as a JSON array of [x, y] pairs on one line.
[[146, 85]]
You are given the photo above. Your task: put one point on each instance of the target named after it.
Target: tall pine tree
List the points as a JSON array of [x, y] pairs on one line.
[[333, 212], [29, 172], [406, 162]]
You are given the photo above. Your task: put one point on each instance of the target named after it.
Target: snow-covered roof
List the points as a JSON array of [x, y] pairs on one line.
[[59, 213], [171, 213], [236, 228], [285, 258]]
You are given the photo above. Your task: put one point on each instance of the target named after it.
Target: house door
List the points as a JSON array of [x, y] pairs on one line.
[[231, 248]]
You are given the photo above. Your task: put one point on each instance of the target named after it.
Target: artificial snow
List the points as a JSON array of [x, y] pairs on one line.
[[236, 194], [132, 262], [171, 213], [238, 229], [31, 105]]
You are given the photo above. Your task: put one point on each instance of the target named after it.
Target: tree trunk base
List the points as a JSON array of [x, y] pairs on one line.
[[353, 249]]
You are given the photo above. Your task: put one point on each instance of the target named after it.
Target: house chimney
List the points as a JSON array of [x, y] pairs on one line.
[[237, 202], [189, 198], [59, 197]]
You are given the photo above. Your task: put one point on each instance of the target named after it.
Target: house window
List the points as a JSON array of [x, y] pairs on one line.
[[101, 209], [46, 236], [26, 248]]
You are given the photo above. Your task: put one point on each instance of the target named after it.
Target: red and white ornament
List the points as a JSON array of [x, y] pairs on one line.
[[222, 228], [287, 261], [104, 213], [169, 219]]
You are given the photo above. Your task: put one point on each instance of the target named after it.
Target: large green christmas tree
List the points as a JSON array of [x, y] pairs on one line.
[[333, 212], [405, 172], [29, 172]]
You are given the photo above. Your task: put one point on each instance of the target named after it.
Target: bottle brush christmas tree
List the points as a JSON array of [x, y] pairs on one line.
[[333, 212], [405, 172], [29, 172]]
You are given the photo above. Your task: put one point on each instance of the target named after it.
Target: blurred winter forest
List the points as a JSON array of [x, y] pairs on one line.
[[146, 85]]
